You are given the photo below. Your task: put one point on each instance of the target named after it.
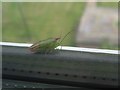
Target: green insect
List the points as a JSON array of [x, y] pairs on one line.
[[47, 46]]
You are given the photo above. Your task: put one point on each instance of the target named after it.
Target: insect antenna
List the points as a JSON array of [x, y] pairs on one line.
[[65, 36]]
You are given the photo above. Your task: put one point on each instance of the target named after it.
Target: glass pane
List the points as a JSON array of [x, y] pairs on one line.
[[91, 24]]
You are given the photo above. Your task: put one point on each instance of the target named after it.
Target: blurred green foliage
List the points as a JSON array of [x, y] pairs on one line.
[[44, 20], [34, 21], [108, 4], [108, 45]]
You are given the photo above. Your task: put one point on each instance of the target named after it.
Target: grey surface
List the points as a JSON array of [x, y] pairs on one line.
[[80, 67], [24, 84]]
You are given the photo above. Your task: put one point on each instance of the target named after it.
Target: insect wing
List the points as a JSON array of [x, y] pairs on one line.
[[44, 46]]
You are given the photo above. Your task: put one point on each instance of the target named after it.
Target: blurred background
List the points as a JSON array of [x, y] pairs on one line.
[[94, 24]]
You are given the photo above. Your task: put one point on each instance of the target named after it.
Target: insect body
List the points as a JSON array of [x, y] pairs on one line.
[[47, 46]]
